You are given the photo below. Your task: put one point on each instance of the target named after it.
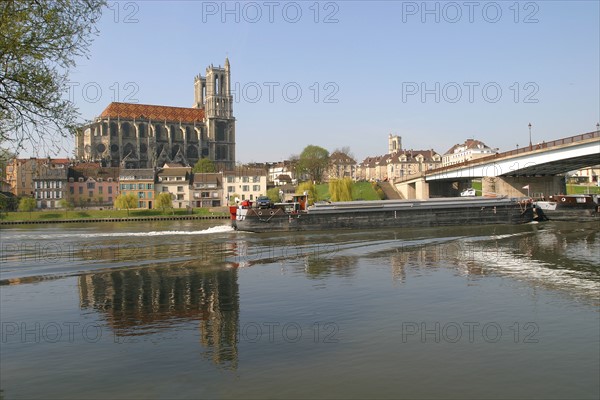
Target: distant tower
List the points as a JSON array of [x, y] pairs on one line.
[[394, 144], [213, 93]]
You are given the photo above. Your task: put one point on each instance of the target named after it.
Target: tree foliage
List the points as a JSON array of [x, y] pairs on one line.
[[314, 161], [27, 204], [204, 165], [273, 195], [340, 189], [126, 201], [310, 188], [164, 201], [40, 41]]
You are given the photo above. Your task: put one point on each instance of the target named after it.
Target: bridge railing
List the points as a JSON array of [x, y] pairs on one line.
[[539, 146]]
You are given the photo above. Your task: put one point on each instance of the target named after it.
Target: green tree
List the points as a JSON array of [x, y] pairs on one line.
[[27, 204], [126, 201], [232, 198], [340, 189], [273, 194], [204, 165], [67, 205], [314, 161], [164, 201], [40, 42], [310, 188]]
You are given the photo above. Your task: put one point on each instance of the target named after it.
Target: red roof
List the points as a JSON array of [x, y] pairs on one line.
[[147, 111]]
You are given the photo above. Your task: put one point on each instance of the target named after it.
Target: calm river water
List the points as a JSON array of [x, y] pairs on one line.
[[191, 310]]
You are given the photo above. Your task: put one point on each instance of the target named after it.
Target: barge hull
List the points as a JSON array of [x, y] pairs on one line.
[[419, 216]]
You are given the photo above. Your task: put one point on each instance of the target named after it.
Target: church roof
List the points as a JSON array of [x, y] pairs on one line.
[[147, 111]]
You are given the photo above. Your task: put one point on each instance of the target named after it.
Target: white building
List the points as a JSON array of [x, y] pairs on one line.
[[244, 183], [469, 150], [175, 179]]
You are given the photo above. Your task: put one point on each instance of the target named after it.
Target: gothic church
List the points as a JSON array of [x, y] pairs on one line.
[[147, 136]]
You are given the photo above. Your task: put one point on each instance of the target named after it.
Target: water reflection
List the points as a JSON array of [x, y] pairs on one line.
[[142, 301], [564, 259]]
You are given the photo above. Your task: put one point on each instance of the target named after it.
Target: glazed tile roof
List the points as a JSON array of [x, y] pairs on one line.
[[147, 111]]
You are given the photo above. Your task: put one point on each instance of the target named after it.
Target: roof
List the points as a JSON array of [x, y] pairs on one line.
[[147, 111], [93, 170], [468, 144], [337, 157], [136, 174], [207, 177], [175, 171]]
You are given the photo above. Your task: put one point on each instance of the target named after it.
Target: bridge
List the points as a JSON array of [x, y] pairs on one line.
[[502, 173]]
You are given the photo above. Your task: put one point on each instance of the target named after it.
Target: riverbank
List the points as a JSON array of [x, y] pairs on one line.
[[111, 215], [126, 219]]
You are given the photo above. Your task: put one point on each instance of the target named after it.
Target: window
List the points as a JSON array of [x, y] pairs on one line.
[[165, 189], [180, 197], [230, 189], [256, 179], [110, 199], [245, 179], [256, 188], [140, 186], [246, 188], [149, 186], [205, 195], [110, 189], [180, 188], [80, 189], [230, 179], [141, 195], [72, 190], [251, 197], [91, 193], [100, 189]]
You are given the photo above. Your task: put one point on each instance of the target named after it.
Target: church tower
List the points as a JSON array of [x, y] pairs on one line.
[[215, 91], [394, 144]]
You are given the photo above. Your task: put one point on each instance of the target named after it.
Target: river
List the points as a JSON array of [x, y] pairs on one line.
[[194, 309]]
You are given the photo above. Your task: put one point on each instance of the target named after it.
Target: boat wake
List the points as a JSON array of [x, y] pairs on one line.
[[211, 230]]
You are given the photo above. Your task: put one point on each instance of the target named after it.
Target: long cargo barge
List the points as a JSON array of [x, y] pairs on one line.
[[381, 214]]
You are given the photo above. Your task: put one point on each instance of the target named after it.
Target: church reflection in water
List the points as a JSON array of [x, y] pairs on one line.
[[141, 301]]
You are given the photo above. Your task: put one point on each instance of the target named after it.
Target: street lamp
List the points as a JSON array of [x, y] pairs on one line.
[[530, 147], [598, 127]]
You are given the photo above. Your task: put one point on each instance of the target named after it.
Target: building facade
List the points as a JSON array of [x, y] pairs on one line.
[[50, 184], [21, 171], [399, 163], [140, 183], [143, 136], [207, 189], [90, 184], [471, 149], [244, 183], [175, 180], [341, 166]]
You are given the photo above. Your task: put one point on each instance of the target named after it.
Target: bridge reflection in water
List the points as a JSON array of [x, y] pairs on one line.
[[142, 301]]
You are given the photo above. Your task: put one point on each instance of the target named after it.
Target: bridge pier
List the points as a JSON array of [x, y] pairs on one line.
[[512, 186], [415, 189]]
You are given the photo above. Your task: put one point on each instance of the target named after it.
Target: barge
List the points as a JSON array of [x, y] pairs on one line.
[[296, 216], [574, 207]]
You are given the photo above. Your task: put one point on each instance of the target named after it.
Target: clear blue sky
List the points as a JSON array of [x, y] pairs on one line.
[[368, 62]]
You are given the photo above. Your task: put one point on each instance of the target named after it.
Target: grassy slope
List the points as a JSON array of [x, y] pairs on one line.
[[360, 190], [581, 189]]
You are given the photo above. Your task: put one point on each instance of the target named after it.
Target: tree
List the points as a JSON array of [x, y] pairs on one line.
[[67, 205], [273, 195], [40, 42], [310, 188], [126, 201], [164, 201], [340, 189], [314, 161], [27, 204], [204, 165], [232, 198]]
